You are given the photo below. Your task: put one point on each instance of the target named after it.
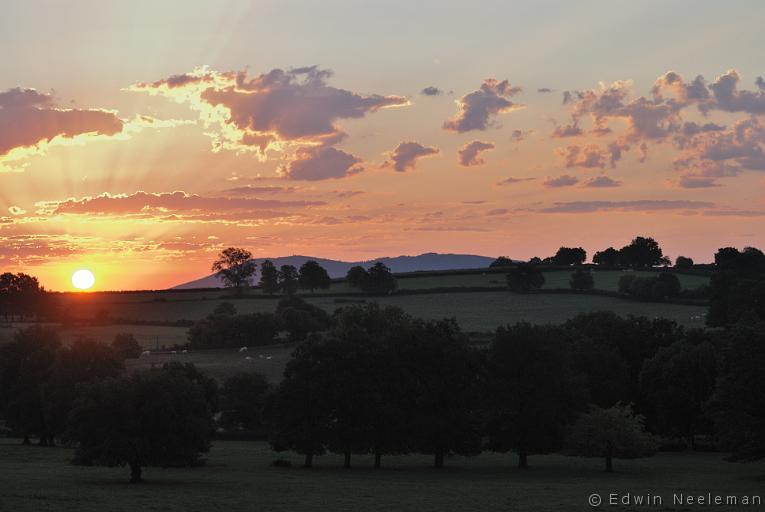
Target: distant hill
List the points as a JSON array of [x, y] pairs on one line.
[[335, 268]]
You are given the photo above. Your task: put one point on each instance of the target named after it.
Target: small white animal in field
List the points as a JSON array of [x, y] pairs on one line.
[[260, 356], [243, 349], [268, 357], [173, 352], [248, 358], [146, 353], [184, 351]]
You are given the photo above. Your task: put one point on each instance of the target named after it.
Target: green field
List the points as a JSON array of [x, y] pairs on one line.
[[478, 311], [238, 477]]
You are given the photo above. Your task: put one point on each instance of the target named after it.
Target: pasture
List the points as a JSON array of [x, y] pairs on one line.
[[476, 311], [238, 477]]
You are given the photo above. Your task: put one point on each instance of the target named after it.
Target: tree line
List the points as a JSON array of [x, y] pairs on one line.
[[378, 381], [236, 268]]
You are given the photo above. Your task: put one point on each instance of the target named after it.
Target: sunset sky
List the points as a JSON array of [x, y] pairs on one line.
[[138, 139]]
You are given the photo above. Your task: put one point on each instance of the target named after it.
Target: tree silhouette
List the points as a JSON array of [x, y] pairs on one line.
[[85, 360], [357, 277], [532, 390], [243, 400], [683, 262], [524, 278], [150, 418], [125, 346], [676, 384], [269, 277], [235, 267], [502, 261], [288, 279], [609, 257], [381, 279], [313, 276], [738, 403], [25, 367], [569, 256], [642, 252], [616, 432]]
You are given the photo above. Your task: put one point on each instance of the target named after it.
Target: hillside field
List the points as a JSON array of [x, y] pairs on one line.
[[476, 311], [238, 477]]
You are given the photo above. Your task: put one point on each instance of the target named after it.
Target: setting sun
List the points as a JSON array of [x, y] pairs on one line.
[[83, 279]]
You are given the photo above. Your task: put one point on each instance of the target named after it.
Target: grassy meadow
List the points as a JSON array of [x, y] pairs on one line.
[[238, 477], [476, 310]]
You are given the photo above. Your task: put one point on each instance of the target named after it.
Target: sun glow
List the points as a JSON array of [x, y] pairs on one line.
[[83, 279]]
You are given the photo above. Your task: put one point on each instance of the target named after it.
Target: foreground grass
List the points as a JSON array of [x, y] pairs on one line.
[[238, 477]]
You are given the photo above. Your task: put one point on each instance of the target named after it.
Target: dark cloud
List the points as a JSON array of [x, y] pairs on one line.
[[469, 155], [250, 190], [431, 91], [293, 106], [162, 203], [568, 130], [695, 182], [645, 205], [602, 182], [519, 135], [28, 118], [322, 163], [561, 181], [406, 154], [497, 211], [511, 180], [478, 108], [730, 99], [544, 90], [760, 83]]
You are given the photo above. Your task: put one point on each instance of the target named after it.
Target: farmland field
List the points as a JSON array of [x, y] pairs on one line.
[[238, 477], [174, 306], [475, 310]]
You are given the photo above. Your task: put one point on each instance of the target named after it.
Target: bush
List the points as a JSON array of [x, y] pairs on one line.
[[226, 330], [662, 287], [524, 278], [126, 346]]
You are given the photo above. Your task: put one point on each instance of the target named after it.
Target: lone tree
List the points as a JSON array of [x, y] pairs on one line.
[[235, 267], [313, 276], [269, 277], [581, 279], [288, 279], [524, 278], [613, 433], [151, 418]]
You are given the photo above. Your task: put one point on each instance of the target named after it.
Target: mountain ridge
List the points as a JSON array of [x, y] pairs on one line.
[[338, 268]]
